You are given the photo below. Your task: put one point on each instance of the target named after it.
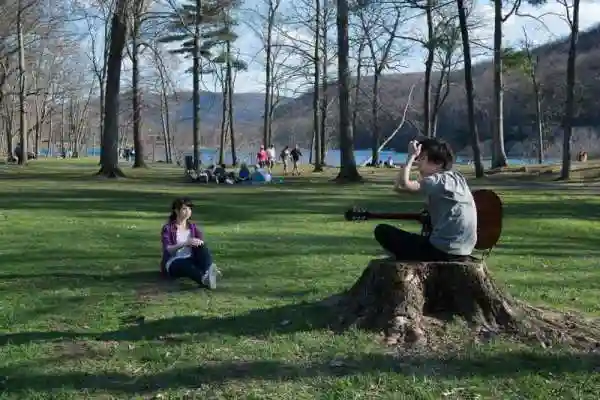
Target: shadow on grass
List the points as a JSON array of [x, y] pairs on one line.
[[221, 204], [552, 244], [575, 208], [307, 316], [214, 205], [491, 366]]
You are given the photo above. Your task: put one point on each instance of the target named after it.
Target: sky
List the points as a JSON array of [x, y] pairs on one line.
[[551, 26]]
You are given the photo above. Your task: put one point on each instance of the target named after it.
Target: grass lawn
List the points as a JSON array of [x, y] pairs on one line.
[[79, 264]]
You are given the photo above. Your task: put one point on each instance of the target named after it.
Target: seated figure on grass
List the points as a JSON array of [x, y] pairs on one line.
[[185, 254], [449, 202]]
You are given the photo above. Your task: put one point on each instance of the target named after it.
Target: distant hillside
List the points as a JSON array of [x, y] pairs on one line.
[[247, 107], [293, 120], [248, 110]]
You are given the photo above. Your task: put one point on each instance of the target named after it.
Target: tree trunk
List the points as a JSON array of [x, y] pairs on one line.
[[355, 110], [196, 86], [441, 93], [464, 31], [164, 118], [138, 140], [565, 172], [375, 135], [22, 101], [324, 86], [431, 45], [499, 159], [38, 134], [348, 171], [317, 91], [312, 148], [224, 125], [230, 83], [408, 301], [50, 131], [268, 79], [539, 120], [102, 103], [110, 137]]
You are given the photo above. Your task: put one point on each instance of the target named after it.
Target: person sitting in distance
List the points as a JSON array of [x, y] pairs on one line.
[[185, 253], [450, 205]]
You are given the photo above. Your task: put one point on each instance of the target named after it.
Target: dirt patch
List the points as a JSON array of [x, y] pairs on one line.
[[84, 349]]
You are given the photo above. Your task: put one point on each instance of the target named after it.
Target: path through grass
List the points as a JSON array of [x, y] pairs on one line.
[[79, 263]]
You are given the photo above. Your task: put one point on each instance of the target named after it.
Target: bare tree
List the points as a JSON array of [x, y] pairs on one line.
[[572, 18], [348, 171], [380, 28], [98, 22], [464, 31], [137, 16], [109, 161], [447, 57], [199, 27], [499, 158], [22, 79], [526, 62], [227, 63]]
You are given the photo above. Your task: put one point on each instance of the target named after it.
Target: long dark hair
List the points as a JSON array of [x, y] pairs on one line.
[[177, 205]]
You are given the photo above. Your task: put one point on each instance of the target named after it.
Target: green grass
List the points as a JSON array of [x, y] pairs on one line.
[[80, 256]]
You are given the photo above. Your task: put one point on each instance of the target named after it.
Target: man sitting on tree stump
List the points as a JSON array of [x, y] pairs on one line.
[[450, 206]]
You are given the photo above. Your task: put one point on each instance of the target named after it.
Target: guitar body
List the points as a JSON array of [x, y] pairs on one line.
[[489, 217]]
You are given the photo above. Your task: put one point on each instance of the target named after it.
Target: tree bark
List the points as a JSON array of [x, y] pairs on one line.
[[22, 98], [431, 46], [569, 115], [224, 115], [110, 138], [464, 32], [196, 87], [317, 92], [408, 301], [138, 140], [348, 171], [499, 159]]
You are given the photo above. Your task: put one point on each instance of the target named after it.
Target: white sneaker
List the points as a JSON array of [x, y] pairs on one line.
[[210, 277]]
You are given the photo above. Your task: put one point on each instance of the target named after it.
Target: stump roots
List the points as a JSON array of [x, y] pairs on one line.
[[408, 301]]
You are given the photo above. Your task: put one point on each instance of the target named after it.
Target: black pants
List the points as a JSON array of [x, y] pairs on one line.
[[407, 246], [193, 267]]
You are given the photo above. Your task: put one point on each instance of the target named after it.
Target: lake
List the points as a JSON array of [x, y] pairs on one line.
[[209, 156]]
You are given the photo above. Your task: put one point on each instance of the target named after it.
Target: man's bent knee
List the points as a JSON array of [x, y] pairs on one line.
[[381, 231]]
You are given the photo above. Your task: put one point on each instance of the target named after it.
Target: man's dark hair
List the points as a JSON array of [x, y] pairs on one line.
[[438, 152], [177, 205]]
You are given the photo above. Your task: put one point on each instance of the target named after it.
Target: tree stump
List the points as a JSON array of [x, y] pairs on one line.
[[406, 300]]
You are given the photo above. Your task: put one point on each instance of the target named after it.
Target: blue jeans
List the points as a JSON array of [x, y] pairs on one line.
[[193, 267]]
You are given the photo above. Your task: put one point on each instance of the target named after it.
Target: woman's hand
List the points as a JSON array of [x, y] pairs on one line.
[[195, 242]]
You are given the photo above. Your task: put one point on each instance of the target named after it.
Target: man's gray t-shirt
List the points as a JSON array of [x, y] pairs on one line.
[[453, 213]]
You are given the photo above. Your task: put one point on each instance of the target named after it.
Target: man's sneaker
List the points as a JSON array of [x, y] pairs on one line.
[[210, 277]]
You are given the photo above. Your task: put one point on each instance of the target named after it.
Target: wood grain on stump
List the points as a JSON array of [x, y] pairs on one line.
[[404, 300]]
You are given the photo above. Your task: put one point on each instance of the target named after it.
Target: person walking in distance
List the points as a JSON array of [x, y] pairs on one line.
[[271, 157], [285, 158], [261, 157], [296, 154]]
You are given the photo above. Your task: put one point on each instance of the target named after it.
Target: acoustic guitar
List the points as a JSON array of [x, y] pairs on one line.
[[489, 217]]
